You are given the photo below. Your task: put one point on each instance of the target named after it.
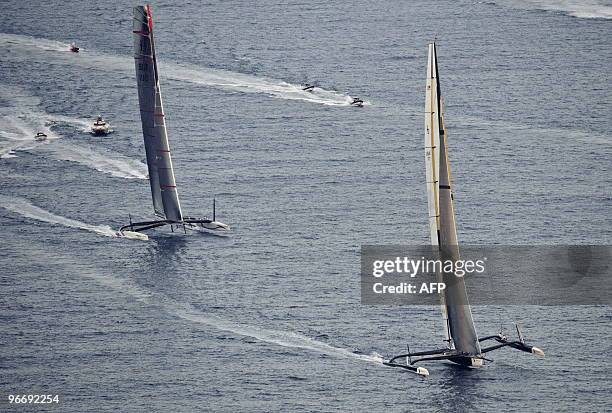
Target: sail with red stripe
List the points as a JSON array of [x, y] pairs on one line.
[[159, 161]]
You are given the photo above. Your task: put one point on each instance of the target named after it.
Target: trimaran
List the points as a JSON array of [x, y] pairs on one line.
[[463, 346], [161, 175]]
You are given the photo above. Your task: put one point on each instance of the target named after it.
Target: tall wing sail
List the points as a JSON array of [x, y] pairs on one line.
[[459, 326], [432, 163], [432, 145], [161, 175]]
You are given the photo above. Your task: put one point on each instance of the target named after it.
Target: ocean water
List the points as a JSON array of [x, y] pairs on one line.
[[269, 319]]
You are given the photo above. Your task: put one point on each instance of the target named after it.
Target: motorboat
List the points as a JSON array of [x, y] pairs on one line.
[[74, 48], [100, 127], [40, 137], [357, 102]]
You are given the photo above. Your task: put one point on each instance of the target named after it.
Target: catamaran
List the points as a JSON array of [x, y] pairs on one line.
[[166, 203], [463, 346]]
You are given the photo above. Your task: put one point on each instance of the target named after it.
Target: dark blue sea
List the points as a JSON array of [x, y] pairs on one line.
[[269, 319]]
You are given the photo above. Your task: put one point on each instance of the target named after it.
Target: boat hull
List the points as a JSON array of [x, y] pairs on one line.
[[132, 235], [468, 361], [100, 131], [213, 227]]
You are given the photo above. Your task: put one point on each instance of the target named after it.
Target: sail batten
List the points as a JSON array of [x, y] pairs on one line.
[[159, 162], [459, 329]]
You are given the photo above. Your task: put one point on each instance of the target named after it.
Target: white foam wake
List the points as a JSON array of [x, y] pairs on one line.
[[8, 150], [586, 9], [83, 125], [115, 165], [281, 338], [252, 84], [21, 120], [539, 133], [193, 74], [17, 134], [34, 42], [25, 208], [184, 311]]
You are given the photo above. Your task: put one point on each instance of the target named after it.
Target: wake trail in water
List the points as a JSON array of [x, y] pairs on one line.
[[21, 119], [585, 9], [281, 338], [539, 132], [286, 339], [35, 42], [115, 165], [186, 312], [251, 84], [84, 125], [196, 75], [17, 134], [25, 208]]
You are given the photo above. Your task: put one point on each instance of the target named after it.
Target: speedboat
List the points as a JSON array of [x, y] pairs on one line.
[[40, 137], [308, 88], [357, 102], [74, 48], [100, 127]]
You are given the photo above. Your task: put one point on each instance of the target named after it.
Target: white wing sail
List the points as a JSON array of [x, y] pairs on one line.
[[458, 324], [161, 175]]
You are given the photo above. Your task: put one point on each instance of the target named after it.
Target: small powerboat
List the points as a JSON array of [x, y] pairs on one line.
[[100, 127], [357, 102], [74, 48], [308, 88], [40, 137]]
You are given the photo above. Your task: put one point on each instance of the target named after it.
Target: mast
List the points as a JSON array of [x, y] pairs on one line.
[[459, 327], [161, 174], [463, 344]]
